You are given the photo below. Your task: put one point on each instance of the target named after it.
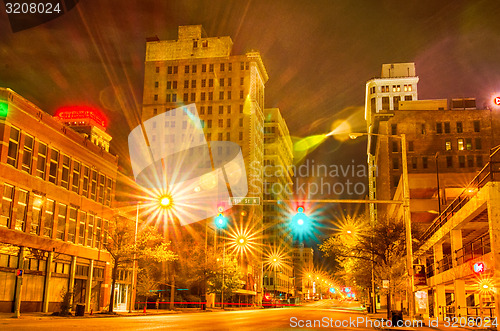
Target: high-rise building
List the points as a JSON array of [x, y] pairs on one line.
[[278, 160], [228, 91], [303, 269], [57, 190]]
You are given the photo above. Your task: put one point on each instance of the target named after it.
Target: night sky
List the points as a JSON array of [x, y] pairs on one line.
[[318, 53]]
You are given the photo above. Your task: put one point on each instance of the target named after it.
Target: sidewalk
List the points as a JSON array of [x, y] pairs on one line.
[[428, 324]]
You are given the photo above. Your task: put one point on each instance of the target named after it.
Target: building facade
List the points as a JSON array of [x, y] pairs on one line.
[[303, 267], [277, 172], [57, 195], [228, 91]]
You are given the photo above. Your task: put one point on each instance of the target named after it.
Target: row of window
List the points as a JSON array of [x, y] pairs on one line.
[[463, 162], [211, 68], [208, 109], [204, 96], [52, 165], [69, 222], [395, 88], [223, 82], [442, 127], [463, 144]]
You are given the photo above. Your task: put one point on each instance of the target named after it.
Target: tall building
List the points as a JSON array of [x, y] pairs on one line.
[[303, 267], [278, 160], [228, 91], [57, 190]]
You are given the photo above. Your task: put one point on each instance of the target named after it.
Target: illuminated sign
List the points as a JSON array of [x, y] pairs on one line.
[[4, 109], [478, 267], [81, 113], [497, 101]]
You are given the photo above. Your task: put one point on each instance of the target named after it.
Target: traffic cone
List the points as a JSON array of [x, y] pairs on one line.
[[144, 311]]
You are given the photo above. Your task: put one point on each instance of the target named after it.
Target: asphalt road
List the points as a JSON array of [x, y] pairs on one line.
[[328, 314]]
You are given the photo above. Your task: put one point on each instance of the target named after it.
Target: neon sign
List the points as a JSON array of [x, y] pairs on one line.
[[478, 267], [497, 101], [81, 113]]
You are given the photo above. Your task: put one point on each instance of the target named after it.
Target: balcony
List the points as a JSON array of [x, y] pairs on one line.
[[474, 249], [489, 173], [444, 264]]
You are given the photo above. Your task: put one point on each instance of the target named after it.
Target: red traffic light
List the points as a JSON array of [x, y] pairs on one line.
[[300, 209]]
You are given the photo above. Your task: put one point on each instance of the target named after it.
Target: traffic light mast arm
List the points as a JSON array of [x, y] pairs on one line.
[[339, 201]]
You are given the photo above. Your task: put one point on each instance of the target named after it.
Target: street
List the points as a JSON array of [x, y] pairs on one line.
[[328, 314]]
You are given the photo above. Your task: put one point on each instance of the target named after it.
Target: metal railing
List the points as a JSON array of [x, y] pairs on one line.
[[444, 264], [489, 173], [474, 249]]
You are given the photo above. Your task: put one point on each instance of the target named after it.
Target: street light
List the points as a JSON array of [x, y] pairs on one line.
[[406, 214]]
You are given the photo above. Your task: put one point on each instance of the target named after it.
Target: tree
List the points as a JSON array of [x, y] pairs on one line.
[[223, 274], [357, 245], [122, 247]]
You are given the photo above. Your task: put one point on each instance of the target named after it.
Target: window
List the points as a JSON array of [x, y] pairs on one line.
[[211, 68], [81, 228], [203, 83], [241, 135], [446, 127], [221, 110], [470, 161], [228, 122], [425, 162], [461, 161], [13, 151], [6, 213], [229, 109], [210, 96], [229, 67], [241, 122], [468, 144], [202, 96], [395, 163], [194, 68], [385, 103], [447, 145], [175, 69], [75, 186], [53, 167], [27, 153], [36, 214], [186, 84], [174, 97], [109, 186], [449, 161], [220, 138], [86, 180], [221, 122], [65, 172], [22, 210], [169, 69], [193, 83], [461, 144], [106, 233], [72, 224], [394, 129], [422, 129], [395, 147], [169, 85], [229, 82], [98, 234], [228, 136], [158, 69], [90, 233], [407, 88], [48, 223], [186, 69], [439, 127], [221, 82], [408, 97], [42, 160], [222, 67], [203, 68], [156, 97], [395, 181], [61, 221], [209, 110], [102, 182], [414, 161], [395, 102], [478, 144], [477, 126], [242, 80], [156, 84], [241, 94], [202, 110], [209, 124], [174, 85], [221, 95], [169, 97], [185, 97], [410, 146], [93, 185], [460, 127], [242, 66], [229, 95]]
